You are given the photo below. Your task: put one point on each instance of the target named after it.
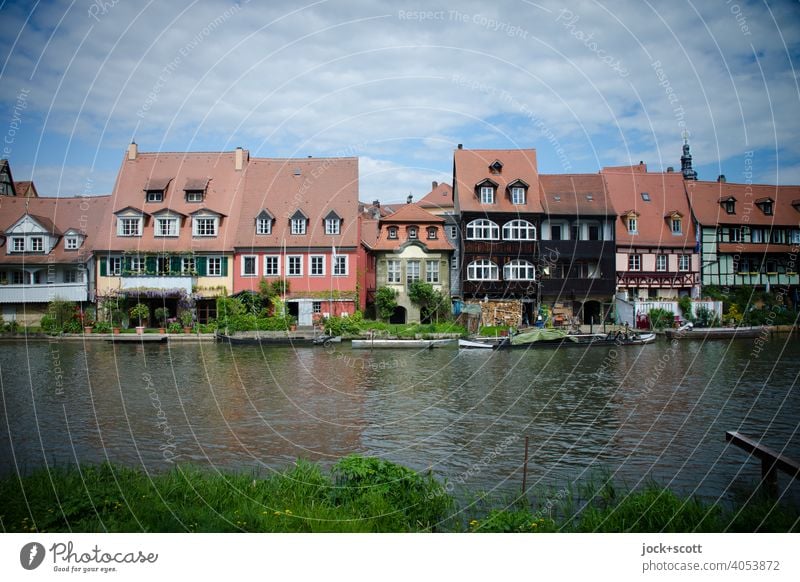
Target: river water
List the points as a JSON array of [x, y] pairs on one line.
[[657, 411]]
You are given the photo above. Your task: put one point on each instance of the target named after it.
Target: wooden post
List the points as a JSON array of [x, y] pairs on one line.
[[771, 461], [525, 469]]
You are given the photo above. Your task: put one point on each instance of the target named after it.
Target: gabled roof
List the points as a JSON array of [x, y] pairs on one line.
[[265, 214], [298, 215], [471, 167], [412, 213], [127, 208], [369, 232], [312, 186], [195, 184], [574, 195], [26, 189], [83, 215], [440, 196], [665, 189], [157, 184], [206, 210], [705, 198], [332, 216], [169, 211]]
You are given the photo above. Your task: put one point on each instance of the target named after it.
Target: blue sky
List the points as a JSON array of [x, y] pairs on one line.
[[399, 85]]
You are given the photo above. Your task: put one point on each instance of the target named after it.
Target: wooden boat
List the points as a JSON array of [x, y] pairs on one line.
[[257, 339], [556, 338], [419, 344], [688, 331], [484, 343], [137, 338]]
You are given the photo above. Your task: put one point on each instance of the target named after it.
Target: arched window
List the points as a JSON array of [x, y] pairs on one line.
[[483, 229], [482, 270], [519, 270], [519, 230]]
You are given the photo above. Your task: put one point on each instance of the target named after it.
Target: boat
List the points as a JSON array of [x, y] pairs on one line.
[[557, 338], [419, 344], [688, 331], [479, 343], [258, 339], [137, 338], [326, 340]]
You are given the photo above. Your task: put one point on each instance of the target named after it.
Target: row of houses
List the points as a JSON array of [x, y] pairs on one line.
[[181, 229]]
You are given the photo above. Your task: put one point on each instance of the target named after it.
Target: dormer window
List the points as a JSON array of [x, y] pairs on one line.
[[205, 223], [333, 223], [71, 243], [298, 222], [128, 226], [194, 196], [646, 196], [496, 167], [487, 195], [37, 244], [676, 225], [412, 232], [155, 195], [392, 232], [765, 204], [730, 205], [18, 245], [632, 222], [431, 233], [264, 223], [517, 195], [166, 226]]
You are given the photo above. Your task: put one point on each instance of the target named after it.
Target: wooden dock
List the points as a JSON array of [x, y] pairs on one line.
[[771, 461]]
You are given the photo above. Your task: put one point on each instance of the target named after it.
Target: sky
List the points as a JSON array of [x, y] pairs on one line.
[[400, 85]]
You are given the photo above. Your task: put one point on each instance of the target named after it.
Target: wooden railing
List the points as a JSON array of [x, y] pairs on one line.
[[771, 461]]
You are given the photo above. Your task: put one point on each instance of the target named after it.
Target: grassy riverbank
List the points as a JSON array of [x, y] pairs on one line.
[[357, 495]]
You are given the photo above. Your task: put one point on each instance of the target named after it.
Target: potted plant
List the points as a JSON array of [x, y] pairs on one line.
[[102, 327], [117, 319], [175, 327], [140, 312], [186, 320], [161, 313]]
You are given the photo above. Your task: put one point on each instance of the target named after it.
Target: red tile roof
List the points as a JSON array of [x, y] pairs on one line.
[[57, 215], [574, 194], [706, 200], [314, 186], [666, 194], [412, 214], [440, 196], [369, 232], [471, 167], [223, 195], [26, 189]]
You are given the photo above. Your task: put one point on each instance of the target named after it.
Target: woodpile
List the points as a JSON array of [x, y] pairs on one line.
[[499, 312]]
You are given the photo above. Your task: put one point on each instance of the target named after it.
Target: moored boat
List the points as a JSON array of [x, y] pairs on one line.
[[419, 344], [556, 338], [688, 331]]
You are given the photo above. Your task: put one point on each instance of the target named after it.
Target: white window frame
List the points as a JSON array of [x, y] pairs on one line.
[[679, 223], [188, 265], [320, 260], [332, 226], [71, 243], [432, 233], [161, 221], [662, 263], [483, 270], [413, 232], [432, 272], [452, 232], [191, 196], [34, 245], [291, 261], [18, 244], [393, 271], [245, 260], [263, 226], [198, 220], [413, 274], [794, 236], [487, 194], [633, 224], [634, 262], [298, 226], [757, 235], [138, 265], [684, 263], [272, 265], [154, 196], [735, 234], [519, 270], [519, 229], [125, 221], [392, 233], [114, 266], [73, 276], [214, 266], [483, 229], [518, 195], [339, 265]]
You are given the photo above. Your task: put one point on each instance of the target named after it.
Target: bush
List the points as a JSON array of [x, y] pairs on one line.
[[685, 303], [705, 317], [351, 325], [161, 313], [661, 318], [385, 302], [102, 327], [49, 324], [140, 312], [73, 326], [175, 327]]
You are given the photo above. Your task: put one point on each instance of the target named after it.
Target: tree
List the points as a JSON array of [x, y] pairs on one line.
[[385, 302], [430, 301], [140, 312]]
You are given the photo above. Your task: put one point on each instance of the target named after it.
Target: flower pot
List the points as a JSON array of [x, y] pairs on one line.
[[162, 330], [292, 328], [187, 330], [115, 330], [139, 329], [87, 330]]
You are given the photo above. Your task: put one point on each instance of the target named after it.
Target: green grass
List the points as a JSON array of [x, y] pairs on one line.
[[357, 495]]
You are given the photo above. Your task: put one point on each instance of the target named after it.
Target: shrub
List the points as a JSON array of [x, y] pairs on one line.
[[102, 327], [385, 302], [161, 313], [140, 312], [73, 326], [661, 318], [187, 318], [685, 303], [336, 325], [175, 327], [49, 324], [706, 318]]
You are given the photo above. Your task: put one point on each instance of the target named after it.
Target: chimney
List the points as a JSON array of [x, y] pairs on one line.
[[239, 164], [434, 185], [670, 169], [409, 199], [721, 179], [133, 151], [376, 203], [461, 146]]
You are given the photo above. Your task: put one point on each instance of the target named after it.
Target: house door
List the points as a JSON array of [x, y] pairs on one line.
[[305, 313]]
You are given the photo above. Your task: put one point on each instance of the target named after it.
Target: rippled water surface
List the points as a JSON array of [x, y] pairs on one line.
[[651, 411]]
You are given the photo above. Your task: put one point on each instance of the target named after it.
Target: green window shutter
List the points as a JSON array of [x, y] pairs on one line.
[[103, 267], [150, 264], [200, 265], [175, 264], [224, 266], [127, 262]]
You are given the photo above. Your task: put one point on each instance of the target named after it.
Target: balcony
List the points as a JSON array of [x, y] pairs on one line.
[[43, 293], [155, 282], [500, 289], [575, 288]]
